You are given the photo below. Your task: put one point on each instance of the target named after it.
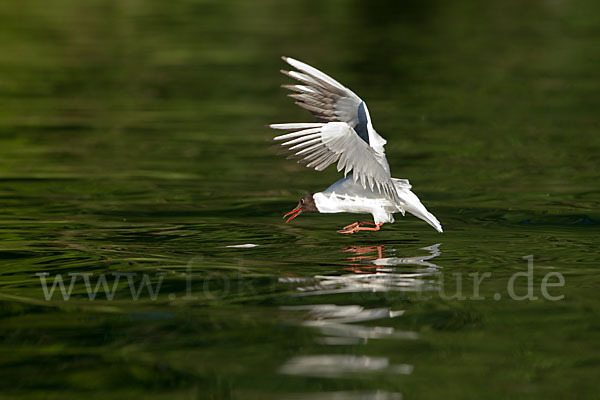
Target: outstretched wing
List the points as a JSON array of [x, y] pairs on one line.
[[321, 144], [330, 101]]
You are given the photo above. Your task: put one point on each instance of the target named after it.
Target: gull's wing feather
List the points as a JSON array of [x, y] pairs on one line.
[[320, 145], [330, 101]]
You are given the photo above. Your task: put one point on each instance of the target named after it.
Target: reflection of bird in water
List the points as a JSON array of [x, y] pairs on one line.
[[371, 271], [361, 250], [345, 134], [340, 325], [378, 261]]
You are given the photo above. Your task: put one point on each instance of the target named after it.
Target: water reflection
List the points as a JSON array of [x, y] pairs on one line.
[[337, 365], [368, 268], [337, 323], [371, 271], [374, 395]]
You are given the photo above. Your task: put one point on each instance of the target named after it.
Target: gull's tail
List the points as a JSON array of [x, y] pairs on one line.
[[412, 204]]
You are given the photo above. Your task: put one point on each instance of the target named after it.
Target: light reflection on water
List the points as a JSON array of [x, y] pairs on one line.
[[375, 395], [375, 273], [336, 323], [372, 269], [339, 365]]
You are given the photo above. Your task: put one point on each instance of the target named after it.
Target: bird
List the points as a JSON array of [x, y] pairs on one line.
[[344, 134]]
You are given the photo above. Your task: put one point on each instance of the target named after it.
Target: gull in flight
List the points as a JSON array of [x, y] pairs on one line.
[[344, 134]]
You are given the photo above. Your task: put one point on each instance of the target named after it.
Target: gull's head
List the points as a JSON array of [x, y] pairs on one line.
[[305, 205]]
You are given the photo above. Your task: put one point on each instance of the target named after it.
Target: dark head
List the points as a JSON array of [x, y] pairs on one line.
[[305, 205]]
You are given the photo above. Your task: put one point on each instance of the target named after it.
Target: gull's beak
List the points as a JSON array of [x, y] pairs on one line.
[[293, 214]]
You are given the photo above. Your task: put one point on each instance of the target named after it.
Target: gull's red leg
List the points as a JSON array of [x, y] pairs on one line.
[[363, 228], [355, 227]]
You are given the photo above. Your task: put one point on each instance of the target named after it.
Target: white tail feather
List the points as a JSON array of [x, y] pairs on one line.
[[412, 204]]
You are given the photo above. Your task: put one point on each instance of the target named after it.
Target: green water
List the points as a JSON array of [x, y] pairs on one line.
[[132, 140]]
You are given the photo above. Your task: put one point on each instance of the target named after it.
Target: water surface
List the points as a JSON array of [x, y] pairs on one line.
[[132, 141]]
